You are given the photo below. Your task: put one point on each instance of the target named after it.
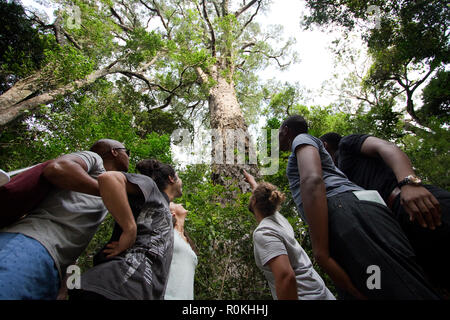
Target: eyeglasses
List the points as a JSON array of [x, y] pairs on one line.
[[126, 150]]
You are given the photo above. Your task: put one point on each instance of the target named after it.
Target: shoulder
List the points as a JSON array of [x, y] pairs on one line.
[[146, 184], [267, 228], [352, 142], [303, 139], [92, 160], [87, 155]]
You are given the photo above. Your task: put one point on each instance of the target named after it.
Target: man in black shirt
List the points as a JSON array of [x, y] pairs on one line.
[[423, 211]]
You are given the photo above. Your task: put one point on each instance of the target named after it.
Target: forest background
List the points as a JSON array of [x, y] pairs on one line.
[[137, 70]]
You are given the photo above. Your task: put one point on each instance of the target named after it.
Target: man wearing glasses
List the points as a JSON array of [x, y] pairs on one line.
[[36, 250]]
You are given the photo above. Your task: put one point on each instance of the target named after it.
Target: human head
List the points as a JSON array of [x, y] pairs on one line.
[[178, 215], [164, 176], [114, 154], [266, 199], [289, 129], [331, 143], [177, 210]]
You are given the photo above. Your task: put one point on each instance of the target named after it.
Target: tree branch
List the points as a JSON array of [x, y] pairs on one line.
[[216, 7], [158, 12], [251, 19], [211, 30], [120, 24], [245, 8]]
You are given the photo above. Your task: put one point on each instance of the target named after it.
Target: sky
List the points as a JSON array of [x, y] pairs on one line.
[[316, 60]]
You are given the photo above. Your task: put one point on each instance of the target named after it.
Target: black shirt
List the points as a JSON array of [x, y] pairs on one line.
[[367, 172], [141, 272]]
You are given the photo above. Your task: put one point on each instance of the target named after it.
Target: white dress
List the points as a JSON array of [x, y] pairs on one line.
[[180, 284]]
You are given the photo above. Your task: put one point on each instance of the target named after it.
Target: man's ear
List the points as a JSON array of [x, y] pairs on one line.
[[114, 152], [171, 179]]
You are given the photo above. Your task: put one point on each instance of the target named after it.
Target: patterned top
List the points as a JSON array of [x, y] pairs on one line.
[[141, 272]]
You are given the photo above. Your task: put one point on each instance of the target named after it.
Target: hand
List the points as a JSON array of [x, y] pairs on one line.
[[250, 179], [127, 239], [421, 205]]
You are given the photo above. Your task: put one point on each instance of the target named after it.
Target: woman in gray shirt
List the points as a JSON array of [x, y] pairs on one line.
[[285, 264]]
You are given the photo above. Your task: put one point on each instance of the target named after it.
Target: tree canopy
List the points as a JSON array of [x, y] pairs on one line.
[[137, 70]]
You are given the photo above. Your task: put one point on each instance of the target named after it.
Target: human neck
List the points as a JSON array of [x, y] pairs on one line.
[[170, 194], [259, 216], [109, 165], [180, 223]]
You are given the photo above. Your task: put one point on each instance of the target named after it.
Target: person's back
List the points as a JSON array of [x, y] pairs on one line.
[[335, 180], [368, 172], [51, 237], [136, 269], [278, 255], [380, 165], [310, 286], [351, 229], [65, 221]]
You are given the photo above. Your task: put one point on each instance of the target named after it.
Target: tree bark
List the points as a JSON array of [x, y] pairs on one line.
[[229, 128]]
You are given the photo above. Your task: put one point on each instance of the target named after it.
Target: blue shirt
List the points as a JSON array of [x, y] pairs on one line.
[[335, 180]]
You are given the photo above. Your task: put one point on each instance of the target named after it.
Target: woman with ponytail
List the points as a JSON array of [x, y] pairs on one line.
[[135, 263], [280, 257]]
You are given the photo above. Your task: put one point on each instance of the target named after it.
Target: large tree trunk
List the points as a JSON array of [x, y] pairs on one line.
[[232, 149], [26, 94]]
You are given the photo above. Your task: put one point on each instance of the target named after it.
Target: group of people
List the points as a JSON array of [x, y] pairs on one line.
[[366, 212], [149, 255], [358, 194]]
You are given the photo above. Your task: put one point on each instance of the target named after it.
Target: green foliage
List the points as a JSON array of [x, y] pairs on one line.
[[142, 46], [74, 124], [65, 64], [430, 153], [410, 42], [380, 121], [222, 234], [436, 97], [21, 46]]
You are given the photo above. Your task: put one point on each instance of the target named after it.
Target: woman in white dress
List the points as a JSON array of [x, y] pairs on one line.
[[180, 284]]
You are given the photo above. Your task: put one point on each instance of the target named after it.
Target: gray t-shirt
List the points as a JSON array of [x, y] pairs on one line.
[[273, 237], [335, 180], [141, 272], [65, 221]]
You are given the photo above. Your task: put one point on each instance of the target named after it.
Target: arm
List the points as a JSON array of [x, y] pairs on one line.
[[285, 282], [418, 202], [316, 210], [70, 172], [114, 188], [250, 179]]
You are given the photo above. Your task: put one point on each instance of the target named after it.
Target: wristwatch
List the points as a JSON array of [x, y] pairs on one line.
[[412, 180]]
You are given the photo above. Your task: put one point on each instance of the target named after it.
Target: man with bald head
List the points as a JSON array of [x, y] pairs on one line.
[[36, 250]]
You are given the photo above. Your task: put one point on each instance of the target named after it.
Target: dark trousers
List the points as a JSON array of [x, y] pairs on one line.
[[432, 247], [364, 234], [78, 294]]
